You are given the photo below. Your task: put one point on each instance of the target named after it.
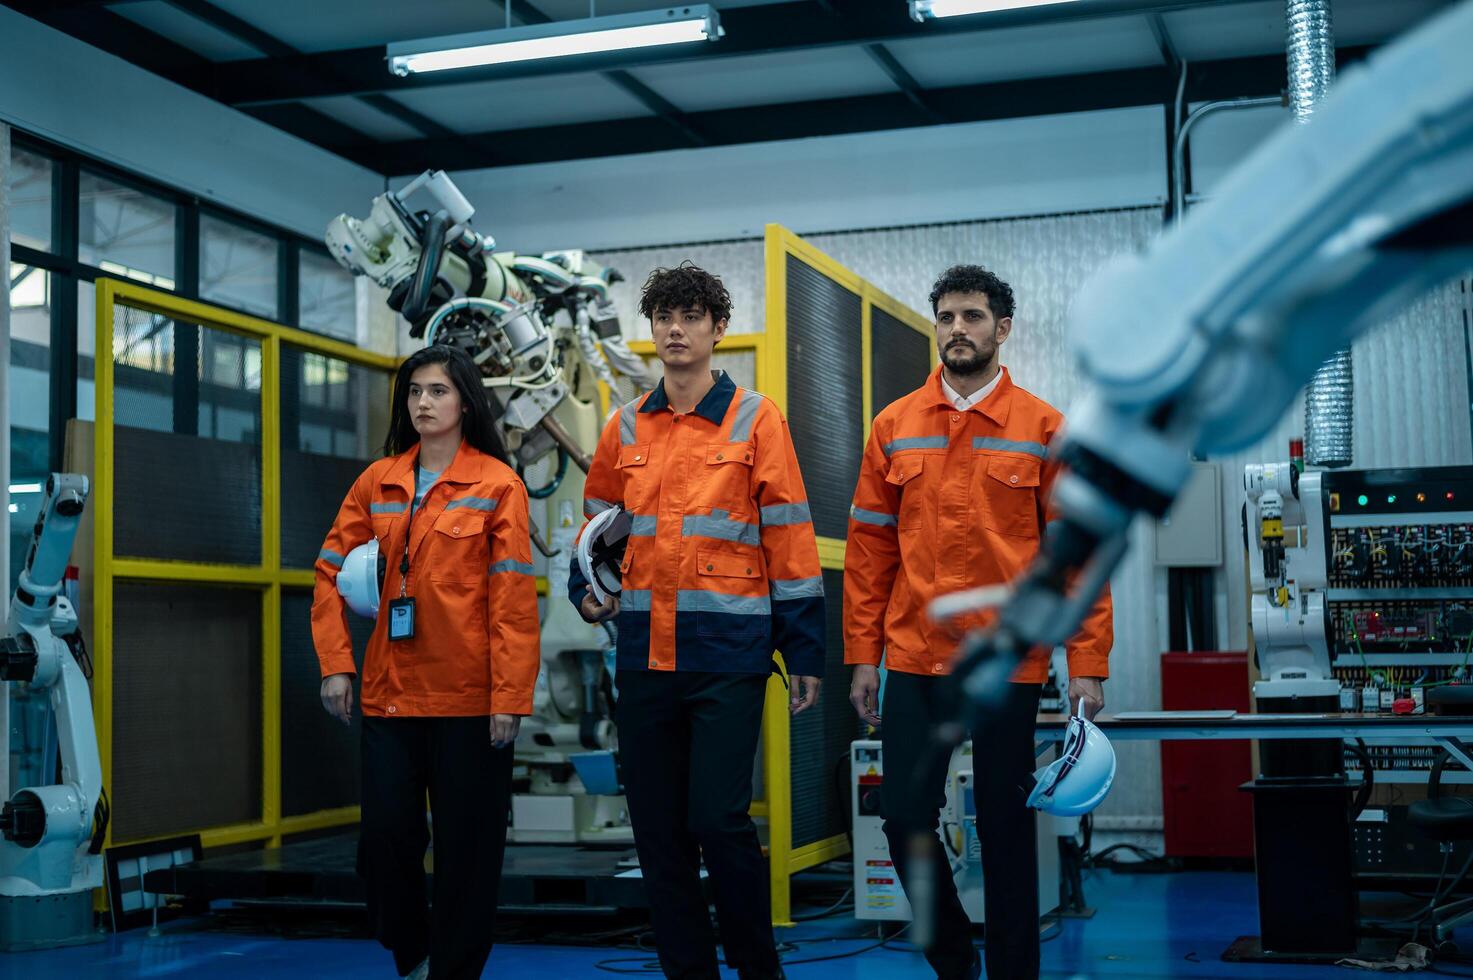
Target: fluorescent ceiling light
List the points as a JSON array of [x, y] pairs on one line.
[[921, 9], [672, 25], [25, 488]]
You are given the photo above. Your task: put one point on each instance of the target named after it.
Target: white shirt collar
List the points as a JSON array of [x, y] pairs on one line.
[[964, 403]]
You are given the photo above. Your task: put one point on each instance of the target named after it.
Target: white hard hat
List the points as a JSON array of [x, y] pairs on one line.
[[359, 579], [601, 549], [1079, 779]]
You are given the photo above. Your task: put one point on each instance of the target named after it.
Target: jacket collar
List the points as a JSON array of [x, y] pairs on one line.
[[712, 407], [465, 468], [995, 406]]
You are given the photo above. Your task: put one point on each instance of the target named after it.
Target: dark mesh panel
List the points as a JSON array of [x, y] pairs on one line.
[[187, 441], [185, 498], [186, 708], [821, 736], [313, 488], [900, 359], [825, 398], [319, 756], [334, 416]]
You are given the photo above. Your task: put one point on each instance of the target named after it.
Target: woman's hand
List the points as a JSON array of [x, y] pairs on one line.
[[504, 729], [337, 696]]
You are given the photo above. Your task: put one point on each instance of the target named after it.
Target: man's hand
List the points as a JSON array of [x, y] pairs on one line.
[[504, 729], [797, 704], [595, 612], [864, 693], [337, 696], [1092, 690]]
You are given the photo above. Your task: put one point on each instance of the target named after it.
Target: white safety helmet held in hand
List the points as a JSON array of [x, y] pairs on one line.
[[360, 579], [601, 550], [1079, 779]]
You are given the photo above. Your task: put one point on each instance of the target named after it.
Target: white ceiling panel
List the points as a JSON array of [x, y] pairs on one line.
[[1231, 31], [1238, 30], [324, 25], [482, 107], [351, 111], [571, 9], [798, 76], [1100, 44], [183, 29], [1376, 21]]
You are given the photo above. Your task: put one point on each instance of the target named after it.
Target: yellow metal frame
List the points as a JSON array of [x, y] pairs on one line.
[[785, 859], [268, 577]]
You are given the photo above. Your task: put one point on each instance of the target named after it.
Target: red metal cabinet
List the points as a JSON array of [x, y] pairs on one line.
[[1206, 815]]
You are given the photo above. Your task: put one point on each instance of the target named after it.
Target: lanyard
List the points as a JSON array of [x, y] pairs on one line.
[[409, 531]]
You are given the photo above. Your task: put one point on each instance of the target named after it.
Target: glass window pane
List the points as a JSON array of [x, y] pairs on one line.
[[30, 405], [237, 267], [126, 232], [28, 186], [327, 296], [86, 346]]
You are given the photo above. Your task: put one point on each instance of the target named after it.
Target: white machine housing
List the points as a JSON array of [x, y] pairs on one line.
[[47, 864], [1288, 577], [878, 895]]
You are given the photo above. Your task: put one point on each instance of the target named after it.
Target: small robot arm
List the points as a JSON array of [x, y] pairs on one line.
[[53, 831], [1202, 342]]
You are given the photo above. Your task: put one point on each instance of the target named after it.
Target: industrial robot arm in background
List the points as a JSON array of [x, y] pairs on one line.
[[544, 333], [1201, 343], [53, 832]]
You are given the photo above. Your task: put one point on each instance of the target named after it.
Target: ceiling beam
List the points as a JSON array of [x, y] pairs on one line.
[[237, 28], [904, 81], [827, 117], [297, 122], [788, 26]]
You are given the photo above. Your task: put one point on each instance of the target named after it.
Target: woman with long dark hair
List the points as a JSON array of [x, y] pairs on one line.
[[450, 665]]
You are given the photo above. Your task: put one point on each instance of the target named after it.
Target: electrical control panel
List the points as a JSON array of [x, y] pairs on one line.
[[1399, 602]]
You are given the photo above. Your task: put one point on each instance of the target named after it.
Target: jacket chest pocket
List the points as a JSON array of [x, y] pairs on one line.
[[726, 479], [905, 476], [457, 549], [1009, 494], [641, 480]]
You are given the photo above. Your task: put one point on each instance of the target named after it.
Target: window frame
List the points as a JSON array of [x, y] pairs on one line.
[[68, 272]]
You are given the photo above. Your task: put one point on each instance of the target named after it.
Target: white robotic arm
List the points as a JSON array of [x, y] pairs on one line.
[[52, 832], [1202, 342]]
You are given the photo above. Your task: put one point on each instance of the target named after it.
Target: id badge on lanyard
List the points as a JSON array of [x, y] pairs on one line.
[[401, 610]]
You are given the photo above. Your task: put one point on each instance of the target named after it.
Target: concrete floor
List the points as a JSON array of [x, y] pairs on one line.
[[1147, 926]]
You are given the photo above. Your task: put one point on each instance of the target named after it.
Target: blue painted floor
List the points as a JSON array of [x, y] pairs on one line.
[[1147, 926]]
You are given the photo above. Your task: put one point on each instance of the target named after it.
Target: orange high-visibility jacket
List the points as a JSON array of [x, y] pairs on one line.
[[475, 645], [946, 501], [721, 567]]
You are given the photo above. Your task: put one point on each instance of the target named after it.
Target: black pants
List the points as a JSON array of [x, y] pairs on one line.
[[687, 742], [912, 794], [469, 787]]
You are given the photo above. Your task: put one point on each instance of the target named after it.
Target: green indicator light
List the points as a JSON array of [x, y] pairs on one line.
[[1391, 498], [1362, 500]]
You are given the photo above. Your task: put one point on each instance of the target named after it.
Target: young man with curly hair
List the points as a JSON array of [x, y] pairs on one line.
[[953, 494], [721, 569]]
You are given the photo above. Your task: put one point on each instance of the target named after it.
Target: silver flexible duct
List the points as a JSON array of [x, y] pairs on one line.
[[1329, 401]]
